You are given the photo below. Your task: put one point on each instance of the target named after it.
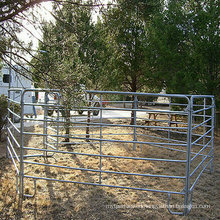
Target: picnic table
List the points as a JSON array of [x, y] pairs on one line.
[[154, 115]]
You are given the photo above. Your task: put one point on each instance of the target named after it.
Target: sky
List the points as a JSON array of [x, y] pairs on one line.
[[42, 12]]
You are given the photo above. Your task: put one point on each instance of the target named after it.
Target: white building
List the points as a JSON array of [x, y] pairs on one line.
[[17, 81]]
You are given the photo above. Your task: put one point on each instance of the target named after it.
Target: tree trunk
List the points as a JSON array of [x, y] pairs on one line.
[[134, 89], [132, 112], [88, 120], [67, 125], [88, 126]]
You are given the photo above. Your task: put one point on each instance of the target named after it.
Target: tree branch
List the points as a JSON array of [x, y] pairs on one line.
[[24, 7]]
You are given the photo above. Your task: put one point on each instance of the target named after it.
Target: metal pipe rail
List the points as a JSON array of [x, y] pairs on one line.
[[189, 147]]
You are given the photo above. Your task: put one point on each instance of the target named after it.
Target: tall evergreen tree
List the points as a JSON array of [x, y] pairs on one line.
[[73, 49], [185, 47], [126, 25]]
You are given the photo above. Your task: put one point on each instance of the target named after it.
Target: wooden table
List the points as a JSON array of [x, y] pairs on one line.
[[153, 115]]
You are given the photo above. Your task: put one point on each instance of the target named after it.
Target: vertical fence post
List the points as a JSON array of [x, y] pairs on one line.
[[13, 116], [100, 145], [88, 117], [204, 118], [204, 126], [21, 172], [8, 124], [169, 123], [45, 122], [188, 159], [213, 133], [58, 119], [135, 121]]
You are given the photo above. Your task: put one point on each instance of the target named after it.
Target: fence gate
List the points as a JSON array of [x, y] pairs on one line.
[[139, 141]]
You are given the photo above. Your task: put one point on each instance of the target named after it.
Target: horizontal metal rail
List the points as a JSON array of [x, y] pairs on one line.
[[13, 161], [14, 139], [205, 146], [51, 138], [14, 152], [139, 110], [50, 145], [33, 155], [203, 123], [105, 171], [202, 115], [106, 140], [197, 178], [107, 156], [104, 185], [204, 135], [104, 134], [11, 100], [52, 129], [14, 113], [13, 125], [33, 90], [140, 94], [203, 109], [45, 105], [105, 125], [199, 165]]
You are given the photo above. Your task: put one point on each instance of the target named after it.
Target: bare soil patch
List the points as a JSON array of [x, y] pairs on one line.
[[56, 200]]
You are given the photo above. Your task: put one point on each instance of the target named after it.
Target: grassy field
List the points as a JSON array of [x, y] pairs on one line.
[[75, 201]]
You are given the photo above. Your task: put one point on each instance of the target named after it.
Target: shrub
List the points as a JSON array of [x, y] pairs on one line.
[[4, 112]]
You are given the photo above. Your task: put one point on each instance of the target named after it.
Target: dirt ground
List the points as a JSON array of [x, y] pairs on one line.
[[56, 200]]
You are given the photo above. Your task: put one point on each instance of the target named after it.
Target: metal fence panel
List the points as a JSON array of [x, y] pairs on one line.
[[117, 139]]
